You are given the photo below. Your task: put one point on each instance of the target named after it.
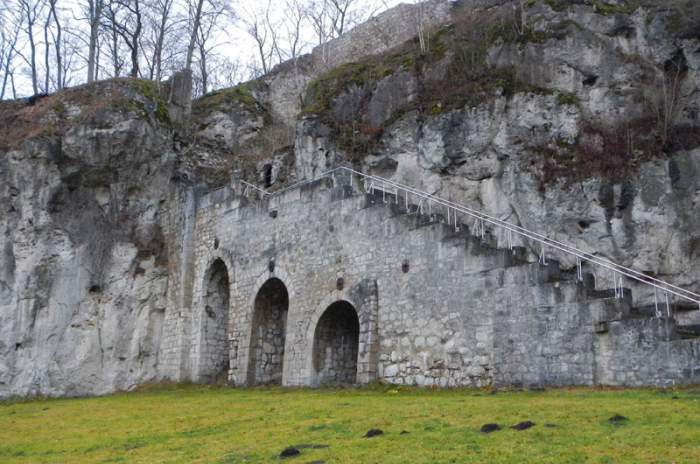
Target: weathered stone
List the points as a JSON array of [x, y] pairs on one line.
[[117, 267]]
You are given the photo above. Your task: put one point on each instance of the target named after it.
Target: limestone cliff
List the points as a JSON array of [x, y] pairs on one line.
[[579, 120], [575, 119], [84, 182]]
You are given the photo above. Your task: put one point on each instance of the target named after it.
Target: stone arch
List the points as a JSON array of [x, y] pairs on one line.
[[336, 345], [214, 346], [363, 297], [268, 333]]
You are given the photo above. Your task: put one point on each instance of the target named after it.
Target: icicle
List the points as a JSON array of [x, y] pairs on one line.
[[656, 303], [510, 238], [579, 269]]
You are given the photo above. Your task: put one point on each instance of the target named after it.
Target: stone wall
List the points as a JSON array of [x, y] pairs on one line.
[[382, 32], [287, 82], [435, 306]]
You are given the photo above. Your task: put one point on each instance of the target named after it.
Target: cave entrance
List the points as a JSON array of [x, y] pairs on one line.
[[336, 342], [268, 334], [215, 344]]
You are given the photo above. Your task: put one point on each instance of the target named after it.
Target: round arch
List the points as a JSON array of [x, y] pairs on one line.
[[335, 345], [214, 350], [268, 332]]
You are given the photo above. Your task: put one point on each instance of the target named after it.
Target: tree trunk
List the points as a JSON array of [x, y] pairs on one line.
[[95, 7], [47, 52], [32, 58], [193, 35], [135, 42], [59, 58]]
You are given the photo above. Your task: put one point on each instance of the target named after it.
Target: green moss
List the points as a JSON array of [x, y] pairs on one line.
[[438, 43], [150, 90], [607, 9], [567, 99], [59, 108], [554, 4], [322, 90], [224, 99], [683, 20], [437, 109]]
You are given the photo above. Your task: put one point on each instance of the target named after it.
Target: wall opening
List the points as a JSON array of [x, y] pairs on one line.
[[215, 343], [267, 175], [336, 342], [268, 334]]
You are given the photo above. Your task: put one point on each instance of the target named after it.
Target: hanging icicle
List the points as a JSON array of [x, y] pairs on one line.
[[657, 312], [579, 269], [509, 234]]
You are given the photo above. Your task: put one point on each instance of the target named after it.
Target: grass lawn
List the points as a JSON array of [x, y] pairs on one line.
[[223, 425]]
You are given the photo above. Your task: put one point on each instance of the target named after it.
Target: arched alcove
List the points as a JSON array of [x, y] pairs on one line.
[[215, 345], [335, 345], [268, 334]]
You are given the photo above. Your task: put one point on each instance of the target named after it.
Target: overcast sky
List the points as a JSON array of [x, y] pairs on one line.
[[231, 40]]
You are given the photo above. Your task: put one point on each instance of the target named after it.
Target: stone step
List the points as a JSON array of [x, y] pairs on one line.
[[487, 246], [688, 331], [609, 293], [649, 310]]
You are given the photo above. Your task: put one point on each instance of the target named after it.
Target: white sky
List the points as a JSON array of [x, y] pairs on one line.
[[231, 40]]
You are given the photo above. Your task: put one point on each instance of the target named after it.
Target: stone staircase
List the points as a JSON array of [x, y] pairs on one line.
[[614, 305]]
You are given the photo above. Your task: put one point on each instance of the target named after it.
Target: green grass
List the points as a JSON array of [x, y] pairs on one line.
[[221, 425]]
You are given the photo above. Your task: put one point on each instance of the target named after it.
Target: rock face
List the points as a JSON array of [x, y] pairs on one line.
[[83, 275], [578, 120], [582, 125]]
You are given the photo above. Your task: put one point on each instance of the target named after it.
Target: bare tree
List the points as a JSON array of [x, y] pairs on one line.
[[317, 12], [667, 102], [71, 50], [113, 39], [295, 13], [160, 25], [207, 24], [55, 33], [423, 37], [339, 14], [331, 18], [29, 11], [57, 38], [94, 10], [9, 36], [125, 19], [257, 25], [195, 19], [225, 72]]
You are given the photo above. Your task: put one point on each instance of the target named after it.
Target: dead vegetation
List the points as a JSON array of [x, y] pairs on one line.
[[44, 117]]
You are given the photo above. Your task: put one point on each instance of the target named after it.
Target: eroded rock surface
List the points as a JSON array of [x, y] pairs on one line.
[[578, 120]]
